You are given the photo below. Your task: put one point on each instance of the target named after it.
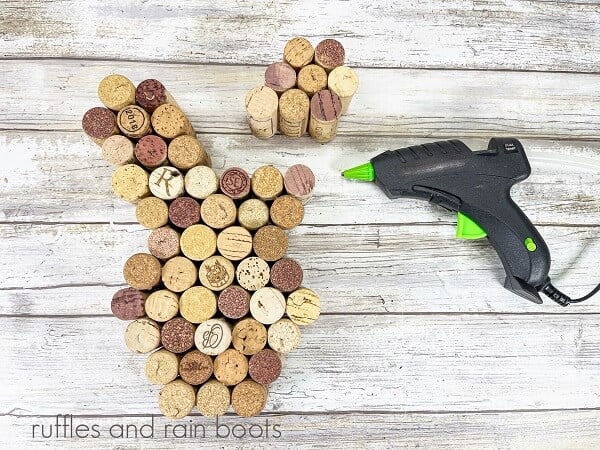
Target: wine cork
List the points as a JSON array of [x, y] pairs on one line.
[[142, 335], [261, 109], [142, 271], [184, 212], [118, 150], [130, 182], [99, 124], [312, 79], [186, 152], [134, 121], [177, 335], [213, 337], [195, 367], [151, 93], [303, 306], [343, 81], [201, 181], [280, 77], [249, 398], [162, 367], [169, 122], [214, 399], [152, 212], [164, 243], [235, 183], [287, 212], [216, 273], [267, 182], [265, 366], [252, 273], [299, 181], [294, 108], [162, 305], [234, 243], [198, 304], [166, 183], [151, 151], [298, 52], [253, 214], [267, 305], [128, 304], [218, 211], [177, 399], [116, 92], [286, 275], [283, 336], [325, 112], [198, 242], [179, 274], [231, 367], [270, 243], [249, 336], [329, 54], [234, 302]]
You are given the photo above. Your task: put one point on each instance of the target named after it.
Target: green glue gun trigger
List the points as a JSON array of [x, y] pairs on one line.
[[476, 185]]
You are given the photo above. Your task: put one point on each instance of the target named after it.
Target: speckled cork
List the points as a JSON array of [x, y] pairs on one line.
[[163, 243], [177, 335], [116, 92], [267, 305], [213, 336], [99, 124], [343, 81], [265, 366], [201, 181], [253, 214], [118, 150], [234, 302], [325, 111], [162, 305], [283, 336], [235, 183], [179, 274], [249, 336], [184, 212], [151, 93], [198, 304], [151, 151], [298, 52], [287, 212], [142, 271], [270, 243], [128, 304], [166, 182], [195, 367], [177, 399], [286, 275], [252, 273], [299, 181], [218, 211], [312, 79], [142, 335], [294, 108], [216, 273], [130, 182], [231, 367], [303, 306], [134, 121], [249, 398], [280, 77], [329, 54], [234, 243], [198, 242], [169, 122], [152, 212], [214, 399], [186, 152], [267, 182], [261, 110], [162, 367]]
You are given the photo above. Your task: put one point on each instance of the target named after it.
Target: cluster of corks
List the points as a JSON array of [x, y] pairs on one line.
[[215, 301], [309, 90]]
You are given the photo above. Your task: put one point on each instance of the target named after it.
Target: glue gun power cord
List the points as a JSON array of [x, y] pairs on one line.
[[562, 299]]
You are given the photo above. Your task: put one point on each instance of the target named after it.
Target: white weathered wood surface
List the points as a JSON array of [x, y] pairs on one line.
[[418, 344]]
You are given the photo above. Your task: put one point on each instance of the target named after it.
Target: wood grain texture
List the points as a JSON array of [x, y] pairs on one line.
[[488, 34]]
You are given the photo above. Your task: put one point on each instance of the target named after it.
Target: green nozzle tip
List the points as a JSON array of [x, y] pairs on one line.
[[364, 172]]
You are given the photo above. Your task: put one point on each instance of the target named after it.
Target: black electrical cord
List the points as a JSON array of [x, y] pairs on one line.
[[562, 299]]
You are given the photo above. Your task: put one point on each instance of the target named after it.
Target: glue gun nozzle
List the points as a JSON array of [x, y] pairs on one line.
[[364, 172]]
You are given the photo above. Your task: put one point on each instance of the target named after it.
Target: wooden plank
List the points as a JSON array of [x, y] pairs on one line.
[[413, 103], [541, 35], [562, 429], [75, 269], [55, 171], [413, 363]]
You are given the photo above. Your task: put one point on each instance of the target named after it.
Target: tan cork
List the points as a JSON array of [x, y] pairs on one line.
[[216, 273], [343, 81], [162, 367], [231, 367], [179, 274], [298, 52], [261, 109], [142, 271], [116, 92], [118, 150], [249, 398], [283, 336], [234, 243], [195, 367], [267, 305], [249, 336], [186, 152], [152, 212], [169, 122], [312, 79], [214, 399], [142, 335], [218, 211], [294, 109], [213, 336], [267, 182], [198, 242], [162, 305], [253, 214], [201, 181], [303, 306], [130, 182], [287, 212], [177, 399], [198, 304], [134, 121], [253, 273]]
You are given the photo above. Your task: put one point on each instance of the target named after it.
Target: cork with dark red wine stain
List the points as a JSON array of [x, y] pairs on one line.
[[286, 275], [280, 77], [325, 112], [299, 182], [177, 335], [99, 123], [151, 93], [235, 183], [234, 302], [184, 212], [265, 366], [128, 304], [151, 151], [329, 54]]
